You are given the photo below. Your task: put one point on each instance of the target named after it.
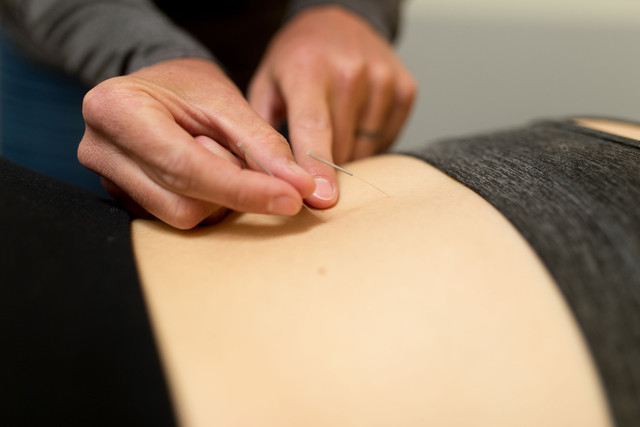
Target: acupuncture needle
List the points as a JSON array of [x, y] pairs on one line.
[[327, 162], [252, 157], [341, 169]]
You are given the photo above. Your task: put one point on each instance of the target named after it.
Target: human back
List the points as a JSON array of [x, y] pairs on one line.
[[424, 307]]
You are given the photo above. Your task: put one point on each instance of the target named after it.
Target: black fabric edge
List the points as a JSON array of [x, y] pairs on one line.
[[78, 343]]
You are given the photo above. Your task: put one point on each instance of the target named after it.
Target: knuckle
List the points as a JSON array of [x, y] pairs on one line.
[[96, 102], [406, 91], [87, 154], [311, 121], [93, 105], [382, 75], [351, 74], [305, 58], [104, 106], [270, 139]]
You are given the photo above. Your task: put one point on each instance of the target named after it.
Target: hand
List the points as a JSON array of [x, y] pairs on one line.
[[339, 84], [166, 138]]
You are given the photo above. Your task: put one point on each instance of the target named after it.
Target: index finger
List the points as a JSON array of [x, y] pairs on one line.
[[311, 130]]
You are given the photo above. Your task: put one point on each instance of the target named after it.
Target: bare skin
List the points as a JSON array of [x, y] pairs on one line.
[[628, 130], [423, 308], [162, 137]]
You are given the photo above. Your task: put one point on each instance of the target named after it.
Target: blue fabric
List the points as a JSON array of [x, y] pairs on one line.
[[41, 119]]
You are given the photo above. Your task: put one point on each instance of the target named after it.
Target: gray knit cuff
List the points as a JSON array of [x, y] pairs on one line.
[[383, 15], [186, 47]]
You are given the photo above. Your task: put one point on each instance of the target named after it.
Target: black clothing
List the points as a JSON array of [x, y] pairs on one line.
[[77, 346]]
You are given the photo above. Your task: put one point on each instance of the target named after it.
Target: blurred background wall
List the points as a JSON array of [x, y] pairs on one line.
[[490, 64]]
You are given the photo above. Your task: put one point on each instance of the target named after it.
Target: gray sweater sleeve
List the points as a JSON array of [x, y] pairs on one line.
[[384, 15], [96, 39]]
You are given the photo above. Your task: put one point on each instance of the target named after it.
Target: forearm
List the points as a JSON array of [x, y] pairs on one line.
[[97, 39], [383, 15]]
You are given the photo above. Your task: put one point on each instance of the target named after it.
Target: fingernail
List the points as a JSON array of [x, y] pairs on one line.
[[324, 190], [283, 205]]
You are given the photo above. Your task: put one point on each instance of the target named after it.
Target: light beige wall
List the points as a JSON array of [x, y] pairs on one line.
[[594, 13], [490, 64]]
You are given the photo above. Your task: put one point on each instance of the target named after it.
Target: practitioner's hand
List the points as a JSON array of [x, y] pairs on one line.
[[163, 139], [339, 84]]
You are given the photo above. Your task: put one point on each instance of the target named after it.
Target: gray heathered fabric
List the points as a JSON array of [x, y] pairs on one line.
[[382, 14], [98, 39], [574, 194]]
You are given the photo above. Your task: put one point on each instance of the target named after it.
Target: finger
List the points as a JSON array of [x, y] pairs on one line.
[[310, 129], [186, 212], [264, 97], [349, 96], [223, 153], [218, 149], [124, 199], [220, 112], [174, 209], [215, 212], [375, 115], [192, 172], [266, 147], [195, 211], [403, 99], [188, 169], [181, 179]]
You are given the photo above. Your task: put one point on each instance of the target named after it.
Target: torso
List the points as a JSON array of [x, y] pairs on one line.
[[423, 308]]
